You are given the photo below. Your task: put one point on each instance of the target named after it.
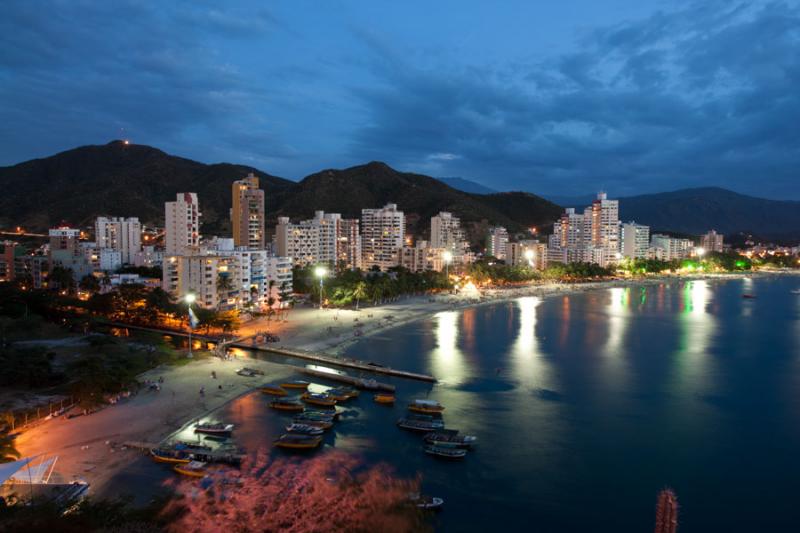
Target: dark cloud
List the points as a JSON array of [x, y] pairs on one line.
[[701, 95], [704, 93]]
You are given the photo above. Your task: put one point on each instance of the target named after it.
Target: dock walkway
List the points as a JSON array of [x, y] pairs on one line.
[[336, 361]]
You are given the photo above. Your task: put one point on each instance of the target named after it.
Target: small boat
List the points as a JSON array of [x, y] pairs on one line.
[[286, 404], [305, 429], [218, 429], [446, 453], [749, 296], [415, 424], [449, 438], [322, 424], [296, 384], [386, 399], [273, 390], [298, 442], [249, 372], [192, 469], [424, 502], [426, 406], [322, 415], [795, 291], [323, 400], [191, 446], [341, 394], [160, 455]]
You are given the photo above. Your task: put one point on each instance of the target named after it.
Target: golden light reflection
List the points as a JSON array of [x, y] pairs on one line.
[[697, 328], [618, 317], [447, 359], [527, 357]]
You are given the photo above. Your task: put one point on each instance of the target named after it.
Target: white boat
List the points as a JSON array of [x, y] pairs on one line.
[[305, 429], [424, 502]]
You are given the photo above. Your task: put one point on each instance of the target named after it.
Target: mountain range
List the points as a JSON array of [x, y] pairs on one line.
[[121, 179]]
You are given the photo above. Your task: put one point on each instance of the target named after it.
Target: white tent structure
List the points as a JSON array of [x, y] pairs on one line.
[[7, 470]]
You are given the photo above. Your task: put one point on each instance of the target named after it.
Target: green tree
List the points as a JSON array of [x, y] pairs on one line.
[[90, 284], [359, 292]]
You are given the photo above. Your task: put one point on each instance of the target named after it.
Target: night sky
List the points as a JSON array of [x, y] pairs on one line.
[[559, 97]]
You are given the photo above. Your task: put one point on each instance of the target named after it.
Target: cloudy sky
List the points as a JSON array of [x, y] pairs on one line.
[[553, 97]]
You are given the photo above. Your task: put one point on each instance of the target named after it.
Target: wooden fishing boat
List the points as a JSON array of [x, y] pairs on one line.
[[445, 453], [160, 455], [192, 469], [327, 415], [450, 438], [424, 502], [322, 400], [218, 429], [298, 442], [273, 390], [322, 424], [341, 394], [305, 429], [426, 407], [385, 399], [287, 405], [296, 384], [415, 424]]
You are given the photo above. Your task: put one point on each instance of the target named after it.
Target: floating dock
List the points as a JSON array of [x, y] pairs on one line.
[[359, 383]]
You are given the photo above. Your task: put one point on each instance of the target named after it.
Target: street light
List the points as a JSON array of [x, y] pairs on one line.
[[529, 257], [700, 251], [320, 272], [189, 299], [447, 256]]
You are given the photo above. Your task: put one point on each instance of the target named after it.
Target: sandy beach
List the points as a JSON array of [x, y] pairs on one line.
[[91, 447]]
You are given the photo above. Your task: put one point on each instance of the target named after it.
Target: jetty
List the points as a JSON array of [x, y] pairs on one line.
[[342, 362], [209, 456], [359, 383]]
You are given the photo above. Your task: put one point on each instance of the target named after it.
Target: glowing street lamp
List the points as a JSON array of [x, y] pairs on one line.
[[321, 272], [529, 257], [190, 299], [700, 251], [447, 256]]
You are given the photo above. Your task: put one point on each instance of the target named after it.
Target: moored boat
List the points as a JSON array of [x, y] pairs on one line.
[[426, 406], [249, 372], [305, 429], [218, 429], [192, 469], [445, 453], [327, 415], [425, 502], [385, 399], [322, 424], [296, 384], [283, 404], [416, 424], [273, 390], [161, 455], [320, 399], [450, 438], [298, 442], [341, 394]]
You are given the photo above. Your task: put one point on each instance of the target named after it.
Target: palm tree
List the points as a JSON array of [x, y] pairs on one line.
[[8, 452], [359, 291], [224, 285]]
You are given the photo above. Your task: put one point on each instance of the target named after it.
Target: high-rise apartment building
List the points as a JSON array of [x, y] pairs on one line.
[[182, 224], [120, 234], [601, 221], [247, 213], [711, 242], [327, 238], [635, 240], [65, 252], [497, 243], [668, 248], [382, 236], [8, 251], [529, 252]]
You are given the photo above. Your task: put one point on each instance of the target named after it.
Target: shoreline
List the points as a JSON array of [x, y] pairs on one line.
[[91, 447]]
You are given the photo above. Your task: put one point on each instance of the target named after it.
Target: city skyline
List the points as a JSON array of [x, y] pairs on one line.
[[635, 97]]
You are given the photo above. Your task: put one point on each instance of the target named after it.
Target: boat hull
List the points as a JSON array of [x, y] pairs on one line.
[[160, 458], [287, 407], [189, 473]]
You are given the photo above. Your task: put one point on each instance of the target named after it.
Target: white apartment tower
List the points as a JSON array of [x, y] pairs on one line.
[[712, 241], [247, 213], [123, 235], [497, 242], [182, 224], [327, 238], [382, 235], [601, 221], [635, 240], [446, 232]]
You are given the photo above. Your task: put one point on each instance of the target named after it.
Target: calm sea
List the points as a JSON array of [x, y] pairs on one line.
[[587, 405]]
